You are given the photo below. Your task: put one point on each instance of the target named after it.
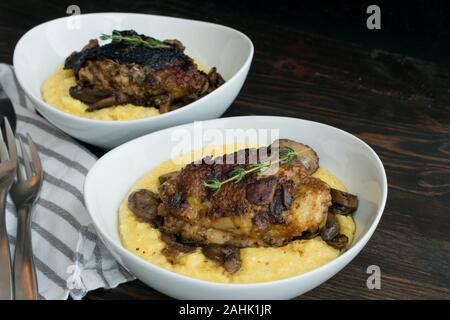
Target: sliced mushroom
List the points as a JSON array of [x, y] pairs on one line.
[[343, 202], [276, 207], [287, 197], [226, 255], [305, 154], [311, 235], [338, 209], [331, 229], [88, 95], [167, 176], [307, 235], [262, 191], [339, 242], [144, 204], [114, 100], [174, 249]]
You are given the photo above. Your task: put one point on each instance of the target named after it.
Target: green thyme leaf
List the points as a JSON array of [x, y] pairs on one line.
[[133, 40], [104, 37], [213, 183], [286, 152], [239, 174], [264, 169]]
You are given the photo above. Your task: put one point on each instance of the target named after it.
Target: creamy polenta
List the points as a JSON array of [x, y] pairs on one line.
[[258, 264], [55, 92]]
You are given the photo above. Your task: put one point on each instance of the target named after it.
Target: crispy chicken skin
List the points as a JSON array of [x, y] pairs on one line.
[[118, 73], [267, 209]]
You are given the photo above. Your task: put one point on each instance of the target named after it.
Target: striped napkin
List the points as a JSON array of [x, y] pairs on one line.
[[70, 259]]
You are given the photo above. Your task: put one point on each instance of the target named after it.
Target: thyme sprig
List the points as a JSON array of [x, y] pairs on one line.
[[134, 40], [288, 155]]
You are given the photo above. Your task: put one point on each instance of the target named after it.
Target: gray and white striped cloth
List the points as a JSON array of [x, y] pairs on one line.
[[70, 258]]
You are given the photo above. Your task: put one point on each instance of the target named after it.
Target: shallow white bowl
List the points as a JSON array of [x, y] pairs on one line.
[[43, 48], [349, 158]]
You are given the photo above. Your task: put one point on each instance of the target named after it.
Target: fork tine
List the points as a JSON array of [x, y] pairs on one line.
[[26, 160], [3, 150], [35, 157], [12, 149]]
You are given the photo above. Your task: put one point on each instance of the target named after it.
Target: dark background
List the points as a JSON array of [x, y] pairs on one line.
[[419, 28], [316, 60]]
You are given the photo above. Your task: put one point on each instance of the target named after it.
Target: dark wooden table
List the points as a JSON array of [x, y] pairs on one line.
[[398, 104]]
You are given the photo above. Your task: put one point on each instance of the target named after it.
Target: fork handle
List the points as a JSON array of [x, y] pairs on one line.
[[6, 292], [25, 282]]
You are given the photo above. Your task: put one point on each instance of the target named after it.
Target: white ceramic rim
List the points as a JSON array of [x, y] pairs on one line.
[[185, 108], [353, 249]]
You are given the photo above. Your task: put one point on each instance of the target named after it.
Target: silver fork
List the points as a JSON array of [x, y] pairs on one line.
[[7, 173], [24, 193]]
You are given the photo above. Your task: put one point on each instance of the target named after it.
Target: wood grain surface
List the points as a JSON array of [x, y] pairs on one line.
[[398, 104]]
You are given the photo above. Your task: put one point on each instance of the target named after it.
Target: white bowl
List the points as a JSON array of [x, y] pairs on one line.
[[43, 48], [349, 158]]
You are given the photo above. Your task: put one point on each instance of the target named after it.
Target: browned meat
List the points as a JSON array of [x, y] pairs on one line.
[[171, 175], [261, 210], [119, 73], [267, 208]]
